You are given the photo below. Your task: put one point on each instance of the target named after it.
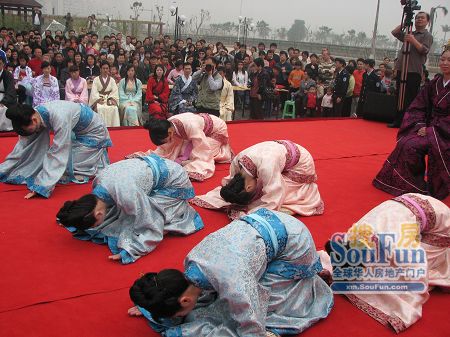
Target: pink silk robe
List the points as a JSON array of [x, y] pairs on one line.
[[200, 141], [286, 181], [77, 93], [400, 311]]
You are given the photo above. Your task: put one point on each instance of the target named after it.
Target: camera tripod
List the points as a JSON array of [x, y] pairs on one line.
[[407, 27]]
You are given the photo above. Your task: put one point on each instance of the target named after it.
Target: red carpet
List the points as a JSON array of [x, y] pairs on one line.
[[53, 285]]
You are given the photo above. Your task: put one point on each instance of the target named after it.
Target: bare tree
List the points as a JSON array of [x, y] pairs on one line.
[[199, 20], [263, 29], [282, 33]]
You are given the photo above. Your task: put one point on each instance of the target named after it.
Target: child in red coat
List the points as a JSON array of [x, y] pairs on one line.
[[311, 101]]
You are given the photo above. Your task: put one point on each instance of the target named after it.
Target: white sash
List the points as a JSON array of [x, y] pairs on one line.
[[186, 82]]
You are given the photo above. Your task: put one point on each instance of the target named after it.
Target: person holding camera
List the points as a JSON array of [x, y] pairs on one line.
[[420, 43], [210, 85]]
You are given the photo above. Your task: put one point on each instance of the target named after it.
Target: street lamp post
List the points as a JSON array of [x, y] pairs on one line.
[[179, 21], [248, 27], [375, 31], [239, 28]]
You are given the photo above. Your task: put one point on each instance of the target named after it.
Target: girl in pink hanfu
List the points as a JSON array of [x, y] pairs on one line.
[[196, 141], [430, 220], [279, 175]]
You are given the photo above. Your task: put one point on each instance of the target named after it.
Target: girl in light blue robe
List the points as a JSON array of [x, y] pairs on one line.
[[78, 150], [130, 99], [258, 276], [133, 203]]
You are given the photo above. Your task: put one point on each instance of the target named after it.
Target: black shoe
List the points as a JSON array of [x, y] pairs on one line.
[[393, 125]]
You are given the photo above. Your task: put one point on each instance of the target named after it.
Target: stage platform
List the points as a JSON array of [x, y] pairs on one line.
[[54, 285]]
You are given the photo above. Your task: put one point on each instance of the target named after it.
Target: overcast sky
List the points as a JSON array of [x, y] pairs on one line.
[[342, 15]]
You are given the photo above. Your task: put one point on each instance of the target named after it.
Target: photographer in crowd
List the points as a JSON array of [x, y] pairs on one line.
[[420, 43], [210, 85]]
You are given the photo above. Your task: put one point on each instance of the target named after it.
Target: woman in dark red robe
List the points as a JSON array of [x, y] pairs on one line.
[[157, 95], [425, 131]]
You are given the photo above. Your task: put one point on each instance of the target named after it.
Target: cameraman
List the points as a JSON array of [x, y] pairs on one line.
[[210, 85], [420, 41]]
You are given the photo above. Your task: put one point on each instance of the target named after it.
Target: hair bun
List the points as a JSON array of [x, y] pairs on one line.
[[63, 213]]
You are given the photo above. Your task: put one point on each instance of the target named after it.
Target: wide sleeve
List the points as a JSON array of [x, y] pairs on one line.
[[95, 95], [416, 115], [272, 182], [69, 95], [54, 93], [201, 165], [175, 95], [137, 97], [149, 97], [114, 91], [140, 232], [84, 97], [57, 158], [164, 96], [122, 96]]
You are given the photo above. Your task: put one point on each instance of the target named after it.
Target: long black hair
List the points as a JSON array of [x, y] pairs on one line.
[[78, 213], [129, 66], [158, 129], [20, 116], [234, 192], [159, 292], [156, 76]]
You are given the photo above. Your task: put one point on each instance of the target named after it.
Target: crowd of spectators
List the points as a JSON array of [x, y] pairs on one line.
[[110, 72]]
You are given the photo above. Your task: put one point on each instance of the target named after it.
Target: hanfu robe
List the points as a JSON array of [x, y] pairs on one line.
[[406, 170], [158, 107], [431, 220], [130, 106], [227, 101], [78, 151], [286, 180], [200, 140], [146, 197], [258, 273], [7, 97], [105, 89], [77, 91], [184, 90], [45, 91]]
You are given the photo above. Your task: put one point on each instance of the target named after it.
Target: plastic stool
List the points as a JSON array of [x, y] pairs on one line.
[[288, 110]]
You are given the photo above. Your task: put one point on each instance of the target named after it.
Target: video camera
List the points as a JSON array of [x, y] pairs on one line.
[[409, 6], [412, 5]]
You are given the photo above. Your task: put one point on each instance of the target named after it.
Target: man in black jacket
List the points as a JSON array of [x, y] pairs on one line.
[[340, 86], [258, 90], [371, 83], [8, 94]]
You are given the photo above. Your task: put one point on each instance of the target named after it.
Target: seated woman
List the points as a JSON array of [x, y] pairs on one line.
[[278, 175], [157, 94], [414, 224], [76, 87], [196, 141], [78, 151], [132, 204], [104, 98], [257, 276], [45, 87], [424, 132], [130, 96], [184, 92]]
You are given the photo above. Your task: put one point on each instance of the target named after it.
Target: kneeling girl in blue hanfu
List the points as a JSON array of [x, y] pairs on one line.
[[78, 150], [258, 277], [133, 203]]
